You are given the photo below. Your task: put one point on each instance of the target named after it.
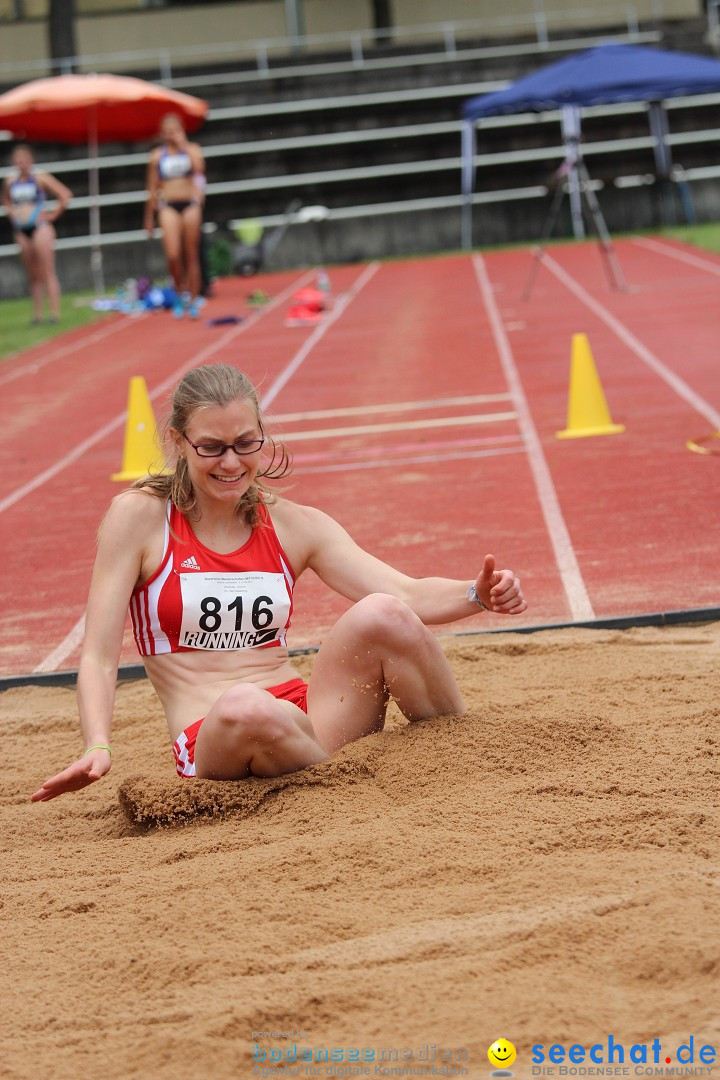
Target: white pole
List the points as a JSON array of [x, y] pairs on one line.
[[660, 130], [467, 183], [96, 262], [294, 22], [570, 118], [541, 28], [663, 160]]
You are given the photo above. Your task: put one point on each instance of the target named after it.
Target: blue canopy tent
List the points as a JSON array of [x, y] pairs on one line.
[[603, 75]]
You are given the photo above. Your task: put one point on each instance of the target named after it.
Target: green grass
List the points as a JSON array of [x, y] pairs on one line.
[[706, 237], [16, 333], [702, 236]]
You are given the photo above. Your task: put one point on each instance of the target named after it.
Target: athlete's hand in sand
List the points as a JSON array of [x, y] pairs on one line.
[[86, 770], [500, 589]]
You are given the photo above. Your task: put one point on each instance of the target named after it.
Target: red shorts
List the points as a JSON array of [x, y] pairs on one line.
[[184, 746]]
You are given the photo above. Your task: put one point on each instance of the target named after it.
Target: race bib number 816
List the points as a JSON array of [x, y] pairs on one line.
[[233, 611]]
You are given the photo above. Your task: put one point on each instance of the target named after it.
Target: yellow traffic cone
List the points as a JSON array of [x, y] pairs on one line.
[[142, 449], [588, 413]]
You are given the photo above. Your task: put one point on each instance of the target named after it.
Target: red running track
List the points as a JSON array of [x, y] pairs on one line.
[[422, 414]]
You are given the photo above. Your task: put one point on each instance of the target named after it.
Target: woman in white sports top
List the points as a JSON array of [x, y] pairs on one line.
[[176, 172], [24, 196], [207, 556]]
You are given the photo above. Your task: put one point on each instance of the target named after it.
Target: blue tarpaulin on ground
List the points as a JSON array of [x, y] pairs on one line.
[[607, 73]]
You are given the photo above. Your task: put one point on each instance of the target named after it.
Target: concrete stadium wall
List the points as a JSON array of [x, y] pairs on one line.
[[572, 12], [163, 28]]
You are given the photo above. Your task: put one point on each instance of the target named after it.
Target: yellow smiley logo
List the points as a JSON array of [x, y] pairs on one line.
[[501, 1053]]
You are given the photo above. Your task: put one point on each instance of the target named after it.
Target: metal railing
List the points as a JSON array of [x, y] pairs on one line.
[[259, 55], [373, 210], [423, 60], [405, 132], [328, 177]]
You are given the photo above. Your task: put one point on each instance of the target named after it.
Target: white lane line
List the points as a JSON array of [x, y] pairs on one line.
[[388, 407], [119, 420], [62, 463], [674, 381], [392, 461], [319, 331], [565, 558], [32, 367], [67, 646], [400, 425], [425, 446], [675, 253]]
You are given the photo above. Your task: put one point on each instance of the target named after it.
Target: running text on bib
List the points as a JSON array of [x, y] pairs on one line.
[[233, 611]]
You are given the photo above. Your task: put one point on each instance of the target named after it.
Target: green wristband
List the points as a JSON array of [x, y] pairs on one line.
[[97, 746]]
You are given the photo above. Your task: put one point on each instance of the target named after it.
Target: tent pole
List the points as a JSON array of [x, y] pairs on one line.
[[660, 130], [467, 183], [96, 263], [570, 120]]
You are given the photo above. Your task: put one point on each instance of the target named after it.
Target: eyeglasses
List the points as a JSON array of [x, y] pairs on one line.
[[217, 449]]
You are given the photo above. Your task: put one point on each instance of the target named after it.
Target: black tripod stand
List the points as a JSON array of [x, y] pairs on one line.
[[612, 267]]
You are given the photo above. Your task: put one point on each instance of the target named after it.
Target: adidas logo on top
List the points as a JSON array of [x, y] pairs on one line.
[[190, 564]]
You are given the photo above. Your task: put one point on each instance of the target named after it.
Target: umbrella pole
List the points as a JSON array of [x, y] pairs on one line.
[[96, 261]]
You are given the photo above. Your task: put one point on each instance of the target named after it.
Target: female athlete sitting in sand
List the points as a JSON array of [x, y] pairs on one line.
[[207, 558]]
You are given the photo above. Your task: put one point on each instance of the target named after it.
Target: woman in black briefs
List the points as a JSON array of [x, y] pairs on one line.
[[176, 196], [24, 195]]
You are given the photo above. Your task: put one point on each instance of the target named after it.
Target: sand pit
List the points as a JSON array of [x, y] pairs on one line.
[[543, 869]]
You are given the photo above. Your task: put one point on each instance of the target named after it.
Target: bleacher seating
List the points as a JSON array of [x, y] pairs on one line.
[[379, 146]]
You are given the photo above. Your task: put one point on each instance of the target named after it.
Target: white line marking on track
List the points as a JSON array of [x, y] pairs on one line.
[[319, 331], [388, 407], [418, 459], [675, 253], [674, 381], [118, 421], [425, 446], [67, 646], [400, 425], [565, 558], [62, 463], [32, 367]]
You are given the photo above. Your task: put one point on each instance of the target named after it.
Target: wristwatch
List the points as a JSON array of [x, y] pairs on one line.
[[472, 595]]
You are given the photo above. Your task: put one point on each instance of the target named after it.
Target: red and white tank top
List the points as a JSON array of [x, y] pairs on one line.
[[199, 599]]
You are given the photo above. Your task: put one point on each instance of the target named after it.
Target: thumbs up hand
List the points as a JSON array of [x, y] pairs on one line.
[[499, 590]]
